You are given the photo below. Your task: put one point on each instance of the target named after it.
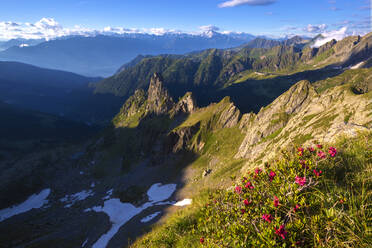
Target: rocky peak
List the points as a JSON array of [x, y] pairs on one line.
[[230, 116], [158, 99], [186, 104], [327, 46], [274, 117]]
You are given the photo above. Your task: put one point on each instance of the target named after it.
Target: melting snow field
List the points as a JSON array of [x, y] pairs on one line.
[[182, 203], [108, 194], [120, 213], [357, 66], [72, 199], [34, 201], [150, 217]]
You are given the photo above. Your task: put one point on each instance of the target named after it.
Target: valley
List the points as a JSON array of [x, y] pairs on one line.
[[173, 150]]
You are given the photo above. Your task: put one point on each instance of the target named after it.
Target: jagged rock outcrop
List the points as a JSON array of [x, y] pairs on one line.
[[179, 139], [186, 104], [158, 98], [156, 101], [301, 116], [229, 117], [327, 46], [275, 116]]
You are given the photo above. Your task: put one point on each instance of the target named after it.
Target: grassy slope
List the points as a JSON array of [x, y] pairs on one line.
[[348, 179], [220, 146]]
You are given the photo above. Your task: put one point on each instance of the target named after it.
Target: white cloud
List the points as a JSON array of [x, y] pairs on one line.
[[48, 28], [316, 28], [328, 36], [233, 3], [208, 28]]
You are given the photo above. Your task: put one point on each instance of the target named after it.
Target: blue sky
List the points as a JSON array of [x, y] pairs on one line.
[[276, 17]]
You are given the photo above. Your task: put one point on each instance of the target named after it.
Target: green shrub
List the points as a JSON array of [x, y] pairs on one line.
[[312, 199], [328, 207]]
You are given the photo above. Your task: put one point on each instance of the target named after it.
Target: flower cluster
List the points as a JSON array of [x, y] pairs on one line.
[[332, 151], [301, 180], [276, 201], [268, 204], [249, 185], [267, 217], [272, 175], [281, 232]]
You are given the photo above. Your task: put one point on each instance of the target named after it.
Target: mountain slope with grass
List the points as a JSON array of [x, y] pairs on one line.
[[102, 55], [59, 93], [292, 168], [220, 68], [297, 120]]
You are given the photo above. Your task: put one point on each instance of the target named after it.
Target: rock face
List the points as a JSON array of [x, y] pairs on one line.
[[186, 104], [301, 116], [156, 101], [158, 98], [229, 117], [179, 139], [362, 87]]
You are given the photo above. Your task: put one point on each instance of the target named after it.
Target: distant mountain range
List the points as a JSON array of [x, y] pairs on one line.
[[102, 55], [19, 42]]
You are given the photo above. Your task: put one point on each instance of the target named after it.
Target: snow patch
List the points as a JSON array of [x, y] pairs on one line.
[[84, 244], [150, 217], [160, 193], [72, 199], [34, 201], [120, 213], [184, 202], [357, 66], [108, 194]]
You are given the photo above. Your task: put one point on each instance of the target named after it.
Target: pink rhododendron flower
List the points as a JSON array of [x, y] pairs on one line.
[[272, 175], [246, 202], [297, 207], [311, 149], [249, 185], [301, 180], [317, 173], [238, 189], [321, 154], [276, 201], [300, 151], [201, 240], [281, 231], [257, 171], [267, 217], [319, 146], [332, 151]]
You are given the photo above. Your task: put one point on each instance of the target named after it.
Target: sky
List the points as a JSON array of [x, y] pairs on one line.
[[50, 18]]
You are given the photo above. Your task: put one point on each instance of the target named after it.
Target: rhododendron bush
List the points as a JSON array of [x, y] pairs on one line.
[[275, 206], [316, 196]]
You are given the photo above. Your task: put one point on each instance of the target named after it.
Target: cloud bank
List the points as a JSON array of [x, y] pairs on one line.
[[233, 3], [328, 36], [48, 28], [316, 28]]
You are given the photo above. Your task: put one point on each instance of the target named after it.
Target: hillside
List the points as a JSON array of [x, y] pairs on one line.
[[55, 92], [102, 55], [191, 151], [23, 131], [213, 74]]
